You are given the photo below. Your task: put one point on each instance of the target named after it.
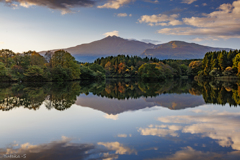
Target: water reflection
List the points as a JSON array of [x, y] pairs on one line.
[[220, 126], [65, 149], [152, 131], [114, 97], [203, 124], [33, 95]]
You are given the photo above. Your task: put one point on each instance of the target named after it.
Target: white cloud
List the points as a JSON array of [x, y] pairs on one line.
[[118, 147], [122, 136], [115, 4], [122, 15], [160, 19], [223, 23], [188, 1], [111, 116]]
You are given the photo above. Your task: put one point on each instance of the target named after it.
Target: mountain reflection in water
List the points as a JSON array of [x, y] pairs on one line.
[[114, 97], [174, 120]]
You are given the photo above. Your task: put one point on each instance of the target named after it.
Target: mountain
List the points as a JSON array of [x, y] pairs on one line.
[[109, 46], [113, 46], [179, 50]]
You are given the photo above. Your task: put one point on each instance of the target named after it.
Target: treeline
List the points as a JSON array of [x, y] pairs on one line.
[[53, 66], [62, 66], [221, 63], [145, 68]]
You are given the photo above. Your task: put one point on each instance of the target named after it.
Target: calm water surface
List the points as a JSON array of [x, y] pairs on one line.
[[120, 120]]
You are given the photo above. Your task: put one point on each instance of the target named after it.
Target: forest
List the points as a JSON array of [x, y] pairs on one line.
[[219, 64], [61, 66], [147, 69], [55, 66]]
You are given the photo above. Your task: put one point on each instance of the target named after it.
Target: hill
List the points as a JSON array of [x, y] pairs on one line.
[[113, 45], [180, 50], [109, 46]]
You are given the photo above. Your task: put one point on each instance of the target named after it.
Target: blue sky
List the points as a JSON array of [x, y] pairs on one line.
[[50, 24]]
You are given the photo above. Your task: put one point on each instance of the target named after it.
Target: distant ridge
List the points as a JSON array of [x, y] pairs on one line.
[[108, 46], [113, 46], [180, 50]]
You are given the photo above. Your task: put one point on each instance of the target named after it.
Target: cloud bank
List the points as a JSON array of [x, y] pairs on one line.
[[160, 20], [64, 6], [223, 23]]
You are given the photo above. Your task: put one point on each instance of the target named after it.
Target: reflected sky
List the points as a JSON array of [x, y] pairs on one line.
[[205, 132], [173, 124]]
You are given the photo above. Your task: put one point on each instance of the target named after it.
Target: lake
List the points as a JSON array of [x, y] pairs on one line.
[[120, 119]]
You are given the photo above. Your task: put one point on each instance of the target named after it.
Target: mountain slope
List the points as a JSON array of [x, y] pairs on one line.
[[179, 50], [109, 46]]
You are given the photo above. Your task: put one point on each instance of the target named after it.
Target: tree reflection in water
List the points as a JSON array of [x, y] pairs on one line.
[[61, 96]]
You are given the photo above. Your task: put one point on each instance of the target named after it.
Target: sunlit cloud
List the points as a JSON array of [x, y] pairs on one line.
[[160, 20], [122, 135], [111, 116], [188, 1], [64, 6], [124, 15], [118, 148], [223, 23], [113, 33], [115, 4]]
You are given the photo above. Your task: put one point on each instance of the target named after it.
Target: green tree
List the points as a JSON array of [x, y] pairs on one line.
[[194, 68], [66, 60], [150, 72], [222, 58], [37, 59], [5, 57], [3, 69], [34, 73]]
